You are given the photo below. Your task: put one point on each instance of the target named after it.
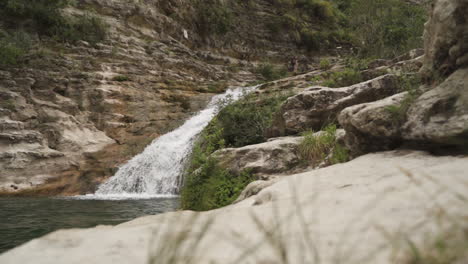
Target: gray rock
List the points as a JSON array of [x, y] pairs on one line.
[[446, 38], [441, 114], [318, 106], [254, 188], [372, 126], [272, 157]]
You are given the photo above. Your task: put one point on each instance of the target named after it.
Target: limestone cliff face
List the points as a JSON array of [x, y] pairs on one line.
[[78, 111]]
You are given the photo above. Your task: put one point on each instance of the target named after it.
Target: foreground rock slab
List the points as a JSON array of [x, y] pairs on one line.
[[339, 214]]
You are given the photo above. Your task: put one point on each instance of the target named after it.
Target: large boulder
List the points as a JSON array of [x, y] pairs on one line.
[[373, 126], [276, 156], [441, 115], [446, 38], [318, 106]]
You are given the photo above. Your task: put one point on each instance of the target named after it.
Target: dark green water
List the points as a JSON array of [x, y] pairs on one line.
[[22, 219]]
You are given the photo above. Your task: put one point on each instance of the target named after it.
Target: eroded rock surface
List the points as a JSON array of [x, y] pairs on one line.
[[440, 116], [446, 38], [374, 126], [318, 106], [278, 155]]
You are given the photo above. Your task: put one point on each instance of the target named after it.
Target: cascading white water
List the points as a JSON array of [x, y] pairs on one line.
[[157, 170]]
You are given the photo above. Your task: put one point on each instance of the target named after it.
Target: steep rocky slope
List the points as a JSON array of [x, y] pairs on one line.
[[73, 112], [400, 206]]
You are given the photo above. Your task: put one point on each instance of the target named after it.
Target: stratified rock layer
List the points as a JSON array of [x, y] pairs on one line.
[[317, 106]]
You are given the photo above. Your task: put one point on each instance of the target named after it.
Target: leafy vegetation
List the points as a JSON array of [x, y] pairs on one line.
[[346, 77], [315, 148], [121, 78], [385, 28], [207, 185], [29, 21], [213, 17], [13, 47], [245, 121], [408, 84], [325, 64], [270, 72]]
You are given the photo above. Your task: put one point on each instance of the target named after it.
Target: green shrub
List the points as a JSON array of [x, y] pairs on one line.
[[207, 185], [311, 40], [325, 64], [213, 17], [386, 28], [245, 121], [46, 18], [316, 148], [14, 47], [241, 123], [10, 54], [85, 27], [121, 78], [343, 78], [210, 187], [270, 72]]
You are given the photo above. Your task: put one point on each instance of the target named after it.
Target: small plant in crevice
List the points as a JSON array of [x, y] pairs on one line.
[[121, 78], [409, 84], [318, 147]]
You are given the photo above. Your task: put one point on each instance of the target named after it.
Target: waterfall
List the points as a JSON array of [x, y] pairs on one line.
[[157, 170]]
